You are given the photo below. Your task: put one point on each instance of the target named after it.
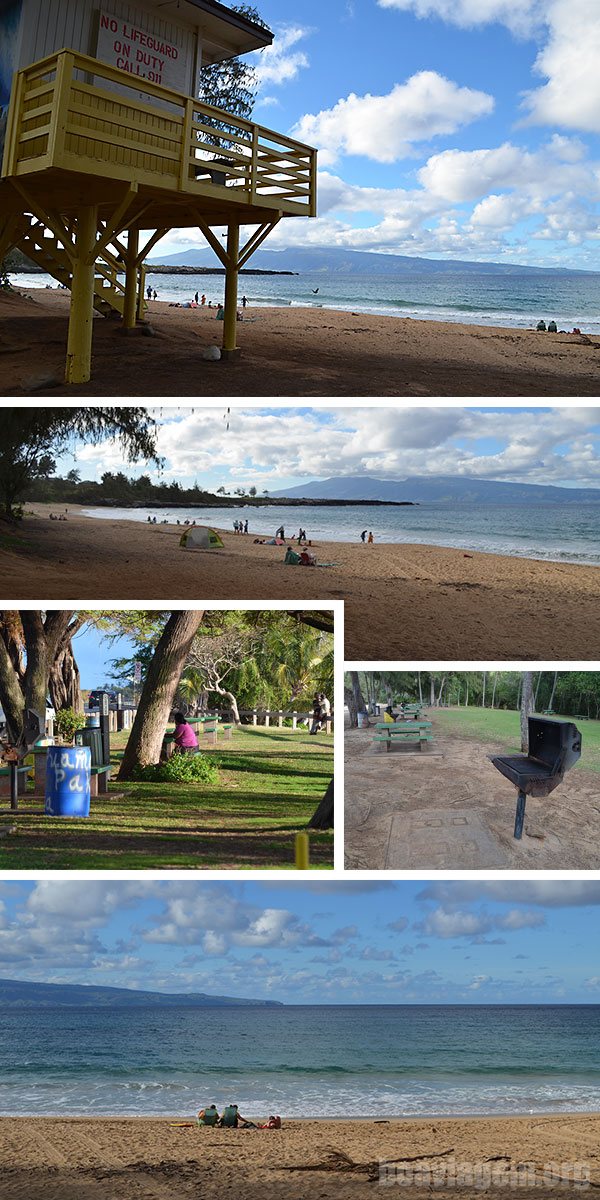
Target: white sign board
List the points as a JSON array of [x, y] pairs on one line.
[[142, 54]]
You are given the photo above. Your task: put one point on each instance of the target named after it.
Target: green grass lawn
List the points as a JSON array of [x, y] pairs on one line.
[[270, 782], [502, 726]]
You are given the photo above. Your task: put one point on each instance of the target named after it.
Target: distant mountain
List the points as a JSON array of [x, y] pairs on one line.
[[324, 261], [439, 489], [16, 993]]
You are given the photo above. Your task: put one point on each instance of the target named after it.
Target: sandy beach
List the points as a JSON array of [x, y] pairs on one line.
[[402, 601], [127, 1159], [290, 352]]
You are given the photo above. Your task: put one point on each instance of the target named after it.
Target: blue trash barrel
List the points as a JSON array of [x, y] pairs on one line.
[[68, 773], [92, 721]]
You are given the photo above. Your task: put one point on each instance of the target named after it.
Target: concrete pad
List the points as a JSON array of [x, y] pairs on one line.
[[443, 839]]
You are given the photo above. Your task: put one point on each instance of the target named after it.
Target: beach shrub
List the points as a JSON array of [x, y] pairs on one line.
[[180, 768], [67, 722]]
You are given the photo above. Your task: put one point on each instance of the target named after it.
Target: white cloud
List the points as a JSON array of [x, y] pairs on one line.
[[383, 128], [463, 175], [456, 922], [281, 63], [522, 17], [569, 61]]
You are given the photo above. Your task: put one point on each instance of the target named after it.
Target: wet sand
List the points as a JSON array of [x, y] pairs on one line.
[[290, 352], [401, 601], [127, 1159]]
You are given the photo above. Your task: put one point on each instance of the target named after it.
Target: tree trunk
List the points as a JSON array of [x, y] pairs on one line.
[[221, 691], [483, 692], [358, 696], [439, 697], [352, 711], [322, 818], [420, 687], [537, 688], [494, 688], [11, 695], [526, 709], [431, 691], [64, 681], [162, 681], [28, 688], [551, 702]]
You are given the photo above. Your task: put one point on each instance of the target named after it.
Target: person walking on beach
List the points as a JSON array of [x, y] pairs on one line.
[[370, 538], [245, 526], [196, 298], [244, 301], [363, 536], [280, 533]]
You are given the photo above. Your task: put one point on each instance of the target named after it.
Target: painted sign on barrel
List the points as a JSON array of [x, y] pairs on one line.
[[68, 773]]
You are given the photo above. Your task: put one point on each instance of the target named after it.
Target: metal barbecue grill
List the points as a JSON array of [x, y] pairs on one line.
[[554, 747]]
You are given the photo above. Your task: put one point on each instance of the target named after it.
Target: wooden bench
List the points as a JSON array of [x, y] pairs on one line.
[[22, 773], [99, 779], [420, 738]]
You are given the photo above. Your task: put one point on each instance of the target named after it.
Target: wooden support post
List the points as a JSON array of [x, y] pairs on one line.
[[294, 719], [130, 304], [267, 718], [280, 719], [79, 347], [520, 815], [254, 717], [231, 292]]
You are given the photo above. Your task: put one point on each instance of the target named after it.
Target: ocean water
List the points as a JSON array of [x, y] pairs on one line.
[[515, 300], [301, 1061], [551, 532]]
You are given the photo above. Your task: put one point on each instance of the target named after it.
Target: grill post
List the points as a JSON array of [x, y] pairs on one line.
[[14, 785], [520, 815]]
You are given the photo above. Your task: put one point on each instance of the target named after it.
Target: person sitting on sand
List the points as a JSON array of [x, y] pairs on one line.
[[307, 559], [186, 741], [541, 327], [552, 327], [231, 1118], [208, 1116], [272, 1123], [220, 313]]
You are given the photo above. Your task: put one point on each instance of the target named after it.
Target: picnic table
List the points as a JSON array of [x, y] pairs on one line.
[[413, 731]]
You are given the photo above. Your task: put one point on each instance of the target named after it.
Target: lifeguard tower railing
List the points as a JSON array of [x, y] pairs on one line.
[[74, 115]]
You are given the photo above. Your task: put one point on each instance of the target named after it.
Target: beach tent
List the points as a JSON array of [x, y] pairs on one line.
[[200, 537]]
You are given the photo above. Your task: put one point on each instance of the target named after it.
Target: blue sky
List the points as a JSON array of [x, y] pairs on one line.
[[273, 448], [94, 654], [446, 128], [515, 941]]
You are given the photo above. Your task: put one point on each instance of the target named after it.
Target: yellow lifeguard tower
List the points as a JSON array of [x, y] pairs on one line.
[[106, 148]]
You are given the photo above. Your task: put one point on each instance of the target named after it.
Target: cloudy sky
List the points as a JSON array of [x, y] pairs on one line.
[[446, 128], [274, 448], [331, 942]]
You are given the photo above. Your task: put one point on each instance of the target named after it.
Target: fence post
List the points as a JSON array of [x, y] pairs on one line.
[[302, 852], [294, 720], [267, 718], [280, 721], [254, 717]]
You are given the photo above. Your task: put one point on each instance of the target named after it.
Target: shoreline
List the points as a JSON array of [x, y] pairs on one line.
[[291, 351], [84, 511], [57, 1158], [402, 601]]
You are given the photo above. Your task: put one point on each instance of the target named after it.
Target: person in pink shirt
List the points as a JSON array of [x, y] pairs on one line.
[[185, 738]]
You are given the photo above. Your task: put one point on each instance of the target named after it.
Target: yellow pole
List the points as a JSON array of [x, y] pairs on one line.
[[79, 347], [302, 852], [231, 291], [130, 303]]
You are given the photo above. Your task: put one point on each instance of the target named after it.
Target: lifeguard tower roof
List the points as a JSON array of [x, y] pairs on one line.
[[242, 35]]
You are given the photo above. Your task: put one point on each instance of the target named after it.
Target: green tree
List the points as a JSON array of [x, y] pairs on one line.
[[32, 437]]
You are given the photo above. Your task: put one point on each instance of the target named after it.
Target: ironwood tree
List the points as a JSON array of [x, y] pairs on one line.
[[30, 643], [160, 685], [33, 437]]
